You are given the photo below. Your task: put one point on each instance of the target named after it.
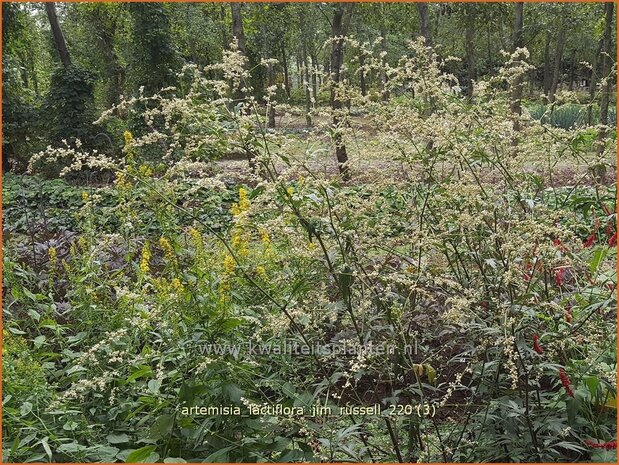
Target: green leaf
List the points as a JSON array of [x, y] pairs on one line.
[[604, 456], [141, 372], [430, 373], [219, 456], [162, 427], [25, 409], [598, 257], [233, 392], [45, 444], [573, 407], [304, 400], [140, 455], [154, 386], [117, 438], [592, 383]]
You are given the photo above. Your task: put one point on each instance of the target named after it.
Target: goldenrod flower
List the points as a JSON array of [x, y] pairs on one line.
[[53, 255], [264, 236], [195, 235], [53, 259], [229, 264], [243, 204], [261, 271], [121, 181], [145, 261], [177, 285], [145, 171], [128, 137], [167, 248], [85, 196]]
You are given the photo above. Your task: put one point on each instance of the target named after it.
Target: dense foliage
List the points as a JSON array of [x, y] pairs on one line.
[[133, 48], [213, 287]]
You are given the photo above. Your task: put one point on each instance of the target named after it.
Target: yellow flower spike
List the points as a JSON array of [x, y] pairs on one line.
[[121, 180], [167, 248], [177, 285], [290, 190], [243, 204], [53, 259], [264, 236], [85, 196], [261, 271], [128, 137], [145, 171], [145, 261], [229, 264], [53, 255], [195, 235]]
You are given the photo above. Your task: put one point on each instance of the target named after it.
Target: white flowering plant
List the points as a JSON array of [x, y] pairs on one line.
[[460, 244]]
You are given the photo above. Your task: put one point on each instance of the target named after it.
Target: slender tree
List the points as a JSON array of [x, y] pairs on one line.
[[556, 72], [341, 20], [424, 21], [518, 42], [237, 25], [469, 46], [606, 71], [59, 42]]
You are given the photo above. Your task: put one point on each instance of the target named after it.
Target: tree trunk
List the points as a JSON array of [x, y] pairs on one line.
[[547, 77], [306, 85], [556, 74], [270, 107], [362, 81], [424, 20], [61, 45], [270, 81], [516, 103], [518, 25], [299, 71], [285, 66], [470, 48], [224, 33], [606, 68], [237, 25], [572, 71], [239, 34], [341, 20], [593, 80], [383, 74], [314, 75]]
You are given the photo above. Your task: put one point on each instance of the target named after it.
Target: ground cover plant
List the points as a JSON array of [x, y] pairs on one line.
[[403, 273]]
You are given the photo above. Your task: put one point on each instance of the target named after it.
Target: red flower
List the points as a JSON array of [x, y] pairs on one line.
[[559, 276], [601, 445], [590, 240], [565, 380], [568, 312], [612, 242], [609, 229], [559, 245], [536, 347]]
